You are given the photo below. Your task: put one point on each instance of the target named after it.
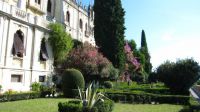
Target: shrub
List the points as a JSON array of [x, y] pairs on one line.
[[76, 106], [70, 107], [108, 84], [71, 80], [147, 98], [46, 90], [60, 41], [105, 106], [179, 76], [89, 61], [35, 86], [18, 96], [114, 73]]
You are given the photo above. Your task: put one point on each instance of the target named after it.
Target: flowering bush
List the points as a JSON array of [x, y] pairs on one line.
[[130, 58], [89, 61]]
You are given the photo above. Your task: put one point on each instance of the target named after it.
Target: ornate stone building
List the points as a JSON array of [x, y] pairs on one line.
[[25, 56]]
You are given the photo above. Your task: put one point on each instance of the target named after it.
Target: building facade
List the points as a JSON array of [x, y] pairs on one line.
[[25, 54]]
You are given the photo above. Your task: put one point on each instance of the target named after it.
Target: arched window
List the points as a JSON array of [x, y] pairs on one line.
[[68, 17], [18, 44], [49, 6], [43, 51], [81, 24]]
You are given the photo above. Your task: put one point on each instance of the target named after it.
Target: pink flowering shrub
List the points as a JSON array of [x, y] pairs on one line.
[[89, 61], [131, 60]]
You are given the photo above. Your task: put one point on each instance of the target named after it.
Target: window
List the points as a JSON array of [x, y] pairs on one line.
[[16, 78], [68, 17], [38, 1], [49, 6], [81, 24], [42, 78], [18, 44], [43, 51]]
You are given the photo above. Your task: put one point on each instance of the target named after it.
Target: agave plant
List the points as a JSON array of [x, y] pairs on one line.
[[90, 96]]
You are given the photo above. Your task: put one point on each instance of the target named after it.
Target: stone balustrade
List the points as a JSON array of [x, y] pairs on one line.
[[22, 15]]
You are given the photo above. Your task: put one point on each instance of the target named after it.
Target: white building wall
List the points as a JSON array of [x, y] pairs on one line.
[[32, 19]]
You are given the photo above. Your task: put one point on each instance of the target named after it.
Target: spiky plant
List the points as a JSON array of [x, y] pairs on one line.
[[90, 97]]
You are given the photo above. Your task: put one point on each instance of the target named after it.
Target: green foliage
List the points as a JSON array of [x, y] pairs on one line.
[[133, 45], [0, 87], [60, 41], [90, 97], [179, 76], [143, 40], [13, 96], [194, 105], [71, 80], [71, 106], [35, 87], [108, 84], [144, 50], [109, 37], [105, 106], [47, 90], [153, 77], [76, 106], [147, 98]]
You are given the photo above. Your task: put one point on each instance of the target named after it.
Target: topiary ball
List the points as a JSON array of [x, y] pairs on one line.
[[108, 84], [71, 80]]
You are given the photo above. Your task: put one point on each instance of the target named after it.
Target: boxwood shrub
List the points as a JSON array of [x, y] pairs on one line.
[[19, 96], [76, 106], [71, 80], [147, 98]]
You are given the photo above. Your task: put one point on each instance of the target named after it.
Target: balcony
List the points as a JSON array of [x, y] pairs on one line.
[[41, 22], [13, 11], [35, 7], [18, 13], [22, 15]]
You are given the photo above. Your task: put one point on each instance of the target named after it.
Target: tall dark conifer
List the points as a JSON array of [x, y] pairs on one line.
[[144, 50], [109, 30]]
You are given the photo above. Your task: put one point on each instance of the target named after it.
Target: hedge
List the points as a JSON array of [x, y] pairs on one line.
[[76, 106], [147, 98], [19, 96]]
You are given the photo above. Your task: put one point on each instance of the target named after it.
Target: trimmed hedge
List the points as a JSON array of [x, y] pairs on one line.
[[70, 106], [76, 106], [19, 96], [108, 84], [147, 98], [71, 80], [105, 106]]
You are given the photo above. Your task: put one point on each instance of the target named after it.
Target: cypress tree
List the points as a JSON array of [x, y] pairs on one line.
[[144, 50], [109, 30]]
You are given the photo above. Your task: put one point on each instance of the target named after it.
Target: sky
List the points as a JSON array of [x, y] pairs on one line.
[[172, 27]]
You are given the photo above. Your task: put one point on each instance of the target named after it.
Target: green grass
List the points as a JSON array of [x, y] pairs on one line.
[[35, 105], [147, 108], [50, 105]]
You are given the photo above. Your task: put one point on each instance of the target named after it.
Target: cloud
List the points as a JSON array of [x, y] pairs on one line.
[[167, 37], [181, 49]]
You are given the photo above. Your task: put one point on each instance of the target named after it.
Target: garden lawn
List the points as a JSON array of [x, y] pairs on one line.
[[51, 105], [147, 108]]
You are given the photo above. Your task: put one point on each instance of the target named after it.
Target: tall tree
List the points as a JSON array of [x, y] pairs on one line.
[[144, 50], [109, 30]]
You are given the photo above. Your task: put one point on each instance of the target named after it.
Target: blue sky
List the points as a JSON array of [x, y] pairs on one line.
[[172, 27]]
